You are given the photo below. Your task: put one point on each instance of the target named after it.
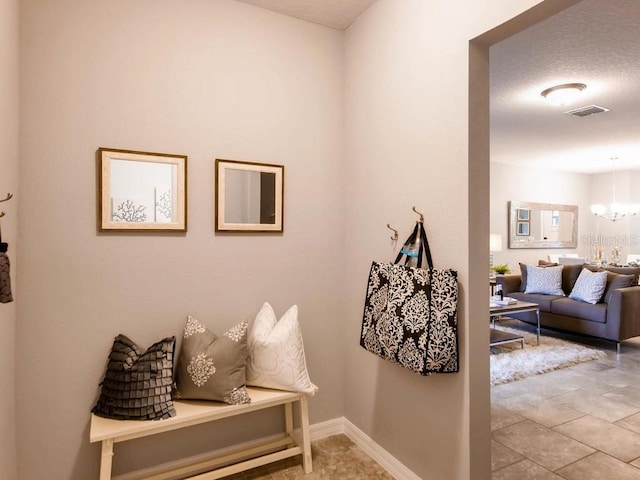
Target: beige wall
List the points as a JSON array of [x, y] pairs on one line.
[[407, 143], [8, 183], [217, 78], [511, 182], [207, 79]]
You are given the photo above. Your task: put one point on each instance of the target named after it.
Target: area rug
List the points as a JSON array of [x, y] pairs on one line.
[[510, 362]]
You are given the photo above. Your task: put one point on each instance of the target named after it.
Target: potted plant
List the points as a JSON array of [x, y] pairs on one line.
[[501, 269]]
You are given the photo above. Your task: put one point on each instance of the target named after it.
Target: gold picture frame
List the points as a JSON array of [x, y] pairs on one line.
[[141, 191]]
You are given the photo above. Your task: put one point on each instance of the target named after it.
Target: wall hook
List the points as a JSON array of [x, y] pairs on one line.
[[421, 216], [9, 197], [394, 237], [2, 214]]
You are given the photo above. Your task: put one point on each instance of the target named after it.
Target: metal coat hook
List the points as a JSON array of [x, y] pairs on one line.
[[421, 216], [394, 237], [9, 197]]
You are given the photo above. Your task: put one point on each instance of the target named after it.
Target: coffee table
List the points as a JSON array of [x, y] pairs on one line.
[[499, 336]]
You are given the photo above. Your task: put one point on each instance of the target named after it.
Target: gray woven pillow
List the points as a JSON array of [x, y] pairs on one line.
[[212, 367], [589, 287], [546, 281], [137, 385]]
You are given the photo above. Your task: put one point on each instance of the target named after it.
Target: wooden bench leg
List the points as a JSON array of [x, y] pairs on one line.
[[288, 418], [306, 439], [106, 460]]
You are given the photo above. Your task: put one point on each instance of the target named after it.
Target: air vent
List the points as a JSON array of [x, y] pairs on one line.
[[586, 111]]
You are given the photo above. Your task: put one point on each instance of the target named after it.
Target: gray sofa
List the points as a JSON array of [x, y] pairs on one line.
[[616, 317]]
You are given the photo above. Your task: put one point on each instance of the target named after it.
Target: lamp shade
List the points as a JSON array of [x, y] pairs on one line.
[[495, 242]]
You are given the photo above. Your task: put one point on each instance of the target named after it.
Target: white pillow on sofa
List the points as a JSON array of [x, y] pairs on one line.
[[544, 280], [589, 287], [276, 352]]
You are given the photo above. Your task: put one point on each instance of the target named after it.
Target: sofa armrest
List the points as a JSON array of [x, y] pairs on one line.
[[510, 283], [622, 312]]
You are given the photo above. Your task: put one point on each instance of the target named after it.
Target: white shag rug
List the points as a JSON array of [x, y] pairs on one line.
[[510, 362]]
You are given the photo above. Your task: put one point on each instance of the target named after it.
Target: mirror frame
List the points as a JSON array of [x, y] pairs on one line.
[[221, 222], [105, 222], [515, 220]]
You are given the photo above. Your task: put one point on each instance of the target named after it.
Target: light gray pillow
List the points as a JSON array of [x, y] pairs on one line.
[[589, 287], [544, 280], [212, 367]]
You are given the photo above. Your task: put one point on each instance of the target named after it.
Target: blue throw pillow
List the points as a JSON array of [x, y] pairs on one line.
[[546, 281], [589, 287]]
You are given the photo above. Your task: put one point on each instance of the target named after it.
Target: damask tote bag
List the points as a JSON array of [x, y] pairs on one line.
[[410, 313]]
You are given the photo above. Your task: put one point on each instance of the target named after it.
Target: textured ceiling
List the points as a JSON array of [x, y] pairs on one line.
[[594, 42], [338, 14]]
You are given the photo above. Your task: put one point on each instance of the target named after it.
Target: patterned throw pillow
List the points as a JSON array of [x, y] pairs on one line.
[[212, 367], [276, 352], [589, 287], [545, 281], [137, 386]]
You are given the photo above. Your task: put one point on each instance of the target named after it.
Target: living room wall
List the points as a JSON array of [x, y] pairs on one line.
[[9, 93], [207, 79], [530, 184]]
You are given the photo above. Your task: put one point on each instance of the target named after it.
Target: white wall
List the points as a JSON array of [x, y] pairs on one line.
[[208, 79], [9, 89], [528, 184]]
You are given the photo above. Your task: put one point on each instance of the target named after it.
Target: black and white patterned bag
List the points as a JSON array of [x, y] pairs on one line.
[[410, 313]]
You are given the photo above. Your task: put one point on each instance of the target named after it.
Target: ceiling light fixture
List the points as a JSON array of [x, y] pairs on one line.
[[618, 210], [563, 94]]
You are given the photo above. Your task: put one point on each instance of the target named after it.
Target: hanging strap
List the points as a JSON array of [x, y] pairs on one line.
[[418, 238]]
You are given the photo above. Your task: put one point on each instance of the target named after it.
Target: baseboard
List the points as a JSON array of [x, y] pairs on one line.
[[387, 461]]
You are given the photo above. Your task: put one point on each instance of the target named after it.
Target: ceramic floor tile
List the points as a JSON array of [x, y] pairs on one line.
[[524, 470], [544, 446], [502, 416], [616, 441], [597, 405], [629, 394], [630, 423], [542, 410], [599, 467], [502, 456]]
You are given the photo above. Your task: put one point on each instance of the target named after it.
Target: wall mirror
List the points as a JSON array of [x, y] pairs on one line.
[[142, 191], [249, 196], [542, 225]]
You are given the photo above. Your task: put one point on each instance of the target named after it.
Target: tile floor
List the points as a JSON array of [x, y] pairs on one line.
[[580, 423]]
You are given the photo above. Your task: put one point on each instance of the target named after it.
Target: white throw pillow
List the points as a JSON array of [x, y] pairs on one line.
[[589, 286], [276, 352], [546, 281]]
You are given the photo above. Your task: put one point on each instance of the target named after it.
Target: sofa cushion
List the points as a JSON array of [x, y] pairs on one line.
[[635, 271], [545, 280], [584, 311], [589, 287], [544, 301], [615, 281]]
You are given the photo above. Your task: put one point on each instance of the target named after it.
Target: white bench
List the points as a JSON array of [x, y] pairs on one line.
[[189, 413]]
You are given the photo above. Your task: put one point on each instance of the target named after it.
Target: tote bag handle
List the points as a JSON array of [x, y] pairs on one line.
[[415, 246]]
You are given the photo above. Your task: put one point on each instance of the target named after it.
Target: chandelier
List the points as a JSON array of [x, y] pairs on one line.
[[616, 210]]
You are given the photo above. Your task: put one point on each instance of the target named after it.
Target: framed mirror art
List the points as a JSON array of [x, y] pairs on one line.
[[542, 225], [142, 191], [249, 196]]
